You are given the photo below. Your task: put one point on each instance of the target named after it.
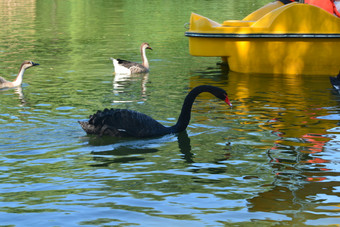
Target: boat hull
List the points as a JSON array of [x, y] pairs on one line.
[[272, 55], [269, 45]]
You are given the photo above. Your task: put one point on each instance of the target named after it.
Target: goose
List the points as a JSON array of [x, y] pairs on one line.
[[129, 123], [128, 67], [335, 81], [17, 82]]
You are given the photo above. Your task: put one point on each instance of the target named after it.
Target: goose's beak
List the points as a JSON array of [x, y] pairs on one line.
[[34, 64]]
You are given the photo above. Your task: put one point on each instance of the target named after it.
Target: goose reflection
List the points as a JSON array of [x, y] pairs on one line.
[[17, 90], [121, 82]]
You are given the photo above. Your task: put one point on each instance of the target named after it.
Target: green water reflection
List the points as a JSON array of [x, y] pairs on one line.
[[270, 160]]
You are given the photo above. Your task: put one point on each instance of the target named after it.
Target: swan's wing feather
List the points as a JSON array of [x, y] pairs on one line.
[[123, 122]]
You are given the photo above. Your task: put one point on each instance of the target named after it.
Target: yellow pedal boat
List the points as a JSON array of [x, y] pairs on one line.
[[275, 39]]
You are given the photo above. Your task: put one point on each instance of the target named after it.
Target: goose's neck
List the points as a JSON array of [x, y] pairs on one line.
[[144, 59], [18, 80], [185, 115]]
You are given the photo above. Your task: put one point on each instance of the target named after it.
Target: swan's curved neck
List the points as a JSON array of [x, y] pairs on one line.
[[18, 80], [185, 115], [144, 59]]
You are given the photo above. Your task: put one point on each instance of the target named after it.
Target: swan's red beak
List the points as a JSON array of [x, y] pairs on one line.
[[226, 100]]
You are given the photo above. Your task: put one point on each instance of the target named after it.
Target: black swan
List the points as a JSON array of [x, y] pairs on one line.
[[128, 67], [129, 123], [17, 82], [335, 81]]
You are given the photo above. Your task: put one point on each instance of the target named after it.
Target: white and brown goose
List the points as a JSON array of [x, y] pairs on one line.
[[17, 82], [128, 67]]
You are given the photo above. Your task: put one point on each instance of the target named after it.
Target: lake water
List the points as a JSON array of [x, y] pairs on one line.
[[271, 160]]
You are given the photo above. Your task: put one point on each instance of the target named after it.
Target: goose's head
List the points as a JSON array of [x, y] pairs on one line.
[[28, 64], [146, 46]]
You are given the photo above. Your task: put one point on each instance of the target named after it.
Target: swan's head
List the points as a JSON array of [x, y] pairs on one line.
[[226, 100], [224, 97], [28, 64], [146, 46], [221, 94]]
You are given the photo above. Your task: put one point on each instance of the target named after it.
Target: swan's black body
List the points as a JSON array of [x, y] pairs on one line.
[[335, 81], [129, 123]]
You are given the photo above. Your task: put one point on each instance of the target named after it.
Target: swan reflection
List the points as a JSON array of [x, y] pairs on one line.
[[108, 150]]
